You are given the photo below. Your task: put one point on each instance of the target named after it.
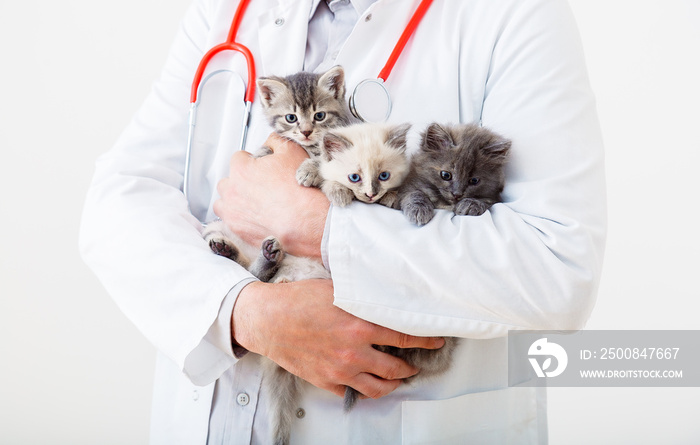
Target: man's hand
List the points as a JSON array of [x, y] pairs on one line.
[[261, 198], [297, 326]]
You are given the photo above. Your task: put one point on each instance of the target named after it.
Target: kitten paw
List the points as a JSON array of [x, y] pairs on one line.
[[341, 198], [419, 216], [338, 194], [272, 250], [222, 247], [390, 199], [307, 173], [470, 207]]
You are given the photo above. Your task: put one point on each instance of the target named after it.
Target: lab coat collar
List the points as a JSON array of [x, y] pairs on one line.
[[314, 7], [360, 6]]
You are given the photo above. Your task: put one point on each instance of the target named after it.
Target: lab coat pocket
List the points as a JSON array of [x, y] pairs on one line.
[[506, 416]]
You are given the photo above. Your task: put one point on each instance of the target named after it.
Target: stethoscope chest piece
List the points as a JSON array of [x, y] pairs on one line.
[[370, 101]]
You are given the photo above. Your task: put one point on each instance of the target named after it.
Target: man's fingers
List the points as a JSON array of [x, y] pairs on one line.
[[389, 367], [400, 340], [374, 387]]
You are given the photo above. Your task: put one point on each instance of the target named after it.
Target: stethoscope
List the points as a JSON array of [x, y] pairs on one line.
[[370, 101]]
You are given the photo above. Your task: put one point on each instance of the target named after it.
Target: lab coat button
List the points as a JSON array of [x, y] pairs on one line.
[[279, 22], [195, 395], [368, 18], [301, 413], [242, 399]]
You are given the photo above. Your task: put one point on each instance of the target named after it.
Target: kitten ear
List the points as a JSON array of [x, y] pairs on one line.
[[436, 138], [270, 89], [333, 144], [333, 81], [396, 138], [498, 149]]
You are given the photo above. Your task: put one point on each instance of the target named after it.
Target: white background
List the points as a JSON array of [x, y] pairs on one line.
[[73, 370]]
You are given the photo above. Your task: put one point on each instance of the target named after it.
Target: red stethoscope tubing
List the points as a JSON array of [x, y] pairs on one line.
[[232, 45], [229, 45], [405, 36]]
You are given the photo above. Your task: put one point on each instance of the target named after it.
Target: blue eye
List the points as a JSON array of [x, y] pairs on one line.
[[291, 118], [446, 176], [354, 178], [321, 115], [383, 176]]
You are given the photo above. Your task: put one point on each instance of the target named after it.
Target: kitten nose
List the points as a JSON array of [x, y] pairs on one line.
[[457, 196], [370, 196], [306, 133]]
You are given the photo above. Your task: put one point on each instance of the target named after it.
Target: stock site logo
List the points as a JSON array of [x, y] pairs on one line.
[[542, 348]]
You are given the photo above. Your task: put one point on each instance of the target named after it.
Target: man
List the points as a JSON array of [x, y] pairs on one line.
[[532, 262]]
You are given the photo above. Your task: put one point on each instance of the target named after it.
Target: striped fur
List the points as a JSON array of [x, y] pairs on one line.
[[301, 106]]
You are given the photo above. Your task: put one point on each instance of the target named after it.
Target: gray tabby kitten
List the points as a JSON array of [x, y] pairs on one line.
[[458, 168], [299, 107], [367, 162]]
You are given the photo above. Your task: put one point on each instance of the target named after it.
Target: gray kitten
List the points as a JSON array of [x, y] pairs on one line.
[[367, 162], [458, 168], [299, 107]]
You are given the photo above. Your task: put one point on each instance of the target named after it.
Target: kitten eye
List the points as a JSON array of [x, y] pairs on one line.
[[474, 181], [321, 115], [384, 176], [446, 176], [291, 118], [354, 178]]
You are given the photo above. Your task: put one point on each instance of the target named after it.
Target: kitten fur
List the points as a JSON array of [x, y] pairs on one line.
[[459, 168], [367, 162], [301, 106]]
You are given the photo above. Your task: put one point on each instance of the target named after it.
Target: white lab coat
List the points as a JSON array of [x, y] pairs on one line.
[[532, 262]]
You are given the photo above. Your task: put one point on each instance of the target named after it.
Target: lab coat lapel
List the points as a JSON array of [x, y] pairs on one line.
[[369, 45], [282, 36]]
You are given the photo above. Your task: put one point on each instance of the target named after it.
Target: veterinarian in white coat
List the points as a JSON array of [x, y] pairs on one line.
[[532, 262]]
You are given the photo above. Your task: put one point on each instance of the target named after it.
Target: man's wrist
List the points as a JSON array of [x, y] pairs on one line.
[[241, 337]]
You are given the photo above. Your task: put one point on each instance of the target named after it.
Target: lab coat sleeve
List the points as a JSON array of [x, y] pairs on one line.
[[531, 262], [138, 236]]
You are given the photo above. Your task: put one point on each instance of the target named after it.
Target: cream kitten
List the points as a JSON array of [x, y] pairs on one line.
[[367, 162]]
